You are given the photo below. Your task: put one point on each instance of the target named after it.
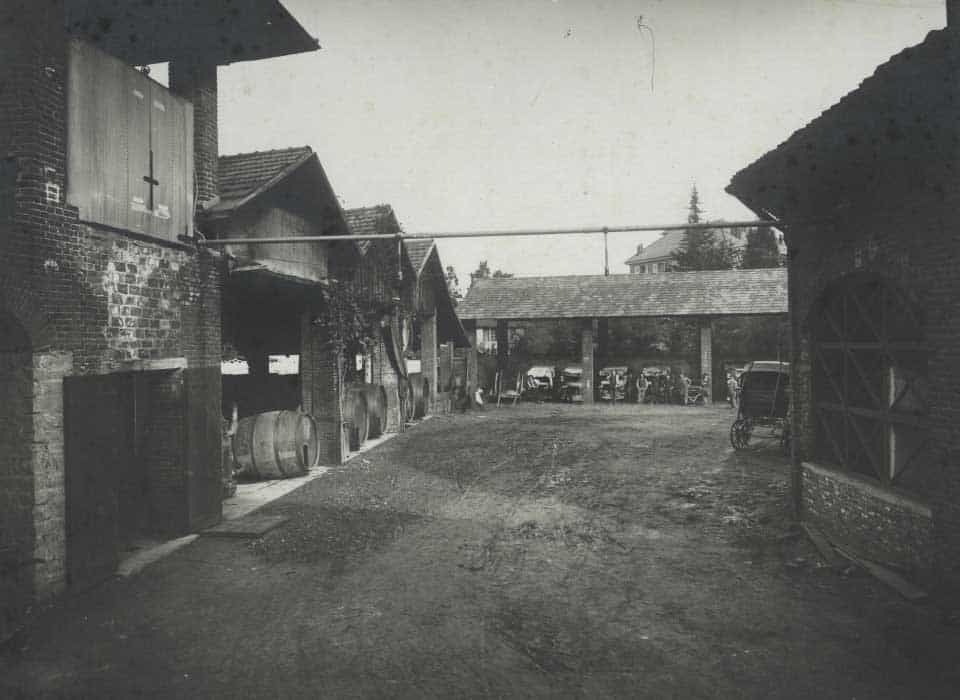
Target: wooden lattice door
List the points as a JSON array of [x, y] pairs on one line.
[[869, 378]]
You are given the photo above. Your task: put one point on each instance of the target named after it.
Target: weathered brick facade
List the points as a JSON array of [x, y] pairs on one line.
[[86, 300], [867, 193]]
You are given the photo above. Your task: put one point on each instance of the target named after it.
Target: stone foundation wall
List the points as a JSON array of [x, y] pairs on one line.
[[880, 523]]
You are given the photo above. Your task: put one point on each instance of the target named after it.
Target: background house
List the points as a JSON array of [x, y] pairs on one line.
[[657, 257]]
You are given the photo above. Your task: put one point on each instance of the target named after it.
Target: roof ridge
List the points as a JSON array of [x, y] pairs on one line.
[[289, 149]]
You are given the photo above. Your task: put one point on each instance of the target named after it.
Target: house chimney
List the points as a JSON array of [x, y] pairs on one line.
[[953, 15], [639, 248], [196, 80]]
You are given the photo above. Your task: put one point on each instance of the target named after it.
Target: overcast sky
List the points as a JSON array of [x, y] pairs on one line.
[[511, 114]]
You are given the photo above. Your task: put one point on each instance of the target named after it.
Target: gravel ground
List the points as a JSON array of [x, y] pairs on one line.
[[531, 551]]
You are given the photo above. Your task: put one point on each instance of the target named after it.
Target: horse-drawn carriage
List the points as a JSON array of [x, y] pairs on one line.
[[763, 404]]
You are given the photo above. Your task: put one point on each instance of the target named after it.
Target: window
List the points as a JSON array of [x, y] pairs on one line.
[[130, 147], [869, 378], [284, 364], [487, 340]]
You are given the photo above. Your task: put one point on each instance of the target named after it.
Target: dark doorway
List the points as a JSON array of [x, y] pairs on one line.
[[99, 434]]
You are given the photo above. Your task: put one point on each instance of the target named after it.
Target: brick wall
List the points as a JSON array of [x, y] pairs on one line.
[[197, 82], [909, 240], [90, 300]]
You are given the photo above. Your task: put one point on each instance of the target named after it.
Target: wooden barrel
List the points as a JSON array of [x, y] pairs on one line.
[[376, 397], [276, 444], [421, 395], [376, 408], [356, 415], [405, 390]]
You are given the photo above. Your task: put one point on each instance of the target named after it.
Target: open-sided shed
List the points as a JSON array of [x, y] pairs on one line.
[[696, 296]]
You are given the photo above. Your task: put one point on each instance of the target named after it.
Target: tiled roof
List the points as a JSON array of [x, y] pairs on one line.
[[670, 241], [893, 127], [366, 221], [714, 293], [245, 175], [663, 247], [418, 250]]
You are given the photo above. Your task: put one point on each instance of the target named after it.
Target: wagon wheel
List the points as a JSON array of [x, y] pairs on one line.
[[785, 439], [740, 433]]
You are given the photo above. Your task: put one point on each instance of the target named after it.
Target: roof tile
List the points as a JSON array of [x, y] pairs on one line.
[[713, 293], [244, 173]]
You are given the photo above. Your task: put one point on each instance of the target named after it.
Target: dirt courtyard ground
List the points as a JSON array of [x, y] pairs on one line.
[[533, 551]]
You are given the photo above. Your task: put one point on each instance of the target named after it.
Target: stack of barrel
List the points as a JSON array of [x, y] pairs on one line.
[[364, 413]]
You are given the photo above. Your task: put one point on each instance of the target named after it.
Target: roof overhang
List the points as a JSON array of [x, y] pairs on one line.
[[224, 208], [142, 32]]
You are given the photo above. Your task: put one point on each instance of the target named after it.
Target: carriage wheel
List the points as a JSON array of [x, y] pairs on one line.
[[740, 433], [785, 439]]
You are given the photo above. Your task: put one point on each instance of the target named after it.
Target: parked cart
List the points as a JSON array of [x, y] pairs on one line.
[[763, 403]]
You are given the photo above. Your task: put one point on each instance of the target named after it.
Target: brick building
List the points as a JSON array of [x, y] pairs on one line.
[[868, 199], [109, 322]]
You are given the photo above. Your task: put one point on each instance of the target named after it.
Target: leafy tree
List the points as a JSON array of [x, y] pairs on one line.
[[483, 272], [761, 249], [453, 285]]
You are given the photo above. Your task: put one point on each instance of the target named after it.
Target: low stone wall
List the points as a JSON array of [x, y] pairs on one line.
[[877, 522]]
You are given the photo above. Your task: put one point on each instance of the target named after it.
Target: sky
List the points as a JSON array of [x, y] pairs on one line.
[[530, 114]]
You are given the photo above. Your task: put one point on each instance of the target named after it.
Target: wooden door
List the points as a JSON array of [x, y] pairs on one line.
[[869, 378], [97, 442]]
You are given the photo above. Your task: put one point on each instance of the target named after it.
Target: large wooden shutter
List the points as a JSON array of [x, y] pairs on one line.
[[869, 378], [117, 117]]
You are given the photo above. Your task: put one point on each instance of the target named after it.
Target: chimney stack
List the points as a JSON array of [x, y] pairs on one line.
[[196, 80], [953, 15]]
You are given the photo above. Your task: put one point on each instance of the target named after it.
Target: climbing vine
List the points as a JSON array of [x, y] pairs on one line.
[[349, 321]]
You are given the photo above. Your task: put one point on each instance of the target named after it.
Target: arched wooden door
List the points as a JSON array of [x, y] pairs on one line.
[[869, 378]]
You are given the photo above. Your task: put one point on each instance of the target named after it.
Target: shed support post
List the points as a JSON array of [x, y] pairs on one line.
[[706, 359], [603, 339], [503, 354], [473, 372], [428, 355], [320, 389], [587, 336]]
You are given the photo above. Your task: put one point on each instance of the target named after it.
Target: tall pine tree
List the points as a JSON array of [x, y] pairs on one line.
[[761, 249], [702, 249]]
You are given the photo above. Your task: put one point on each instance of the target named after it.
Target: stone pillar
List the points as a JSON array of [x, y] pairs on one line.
[[473, 370], [197, 82], [706, 357], [49, 514], [587, 358]]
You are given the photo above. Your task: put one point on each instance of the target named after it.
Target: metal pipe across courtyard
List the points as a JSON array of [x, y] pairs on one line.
[[490, 234]]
